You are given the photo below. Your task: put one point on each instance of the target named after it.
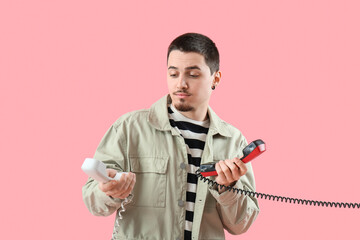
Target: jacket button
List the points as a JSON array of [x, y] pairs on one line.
[[182, 165], [180, 203]]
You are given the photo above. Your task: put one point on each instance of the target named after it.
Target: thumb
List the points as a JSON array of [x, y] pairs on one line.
[[111, 172]]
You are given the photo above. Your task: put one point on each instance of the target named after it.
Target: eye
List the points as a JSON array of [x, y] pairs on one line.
[[194, 76], [172, 74]]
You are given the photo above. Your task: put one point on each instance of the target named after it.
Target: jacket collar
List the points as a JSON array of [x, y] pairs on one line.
[[158, 118]]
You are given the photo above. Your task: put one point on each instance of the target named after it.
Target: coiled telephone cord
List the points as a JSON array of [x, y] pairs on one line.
[[279, 198], [121, 210]]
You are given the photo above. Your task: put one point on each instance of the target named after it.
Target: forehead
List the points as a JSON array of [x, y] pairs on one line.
[[182, 60]]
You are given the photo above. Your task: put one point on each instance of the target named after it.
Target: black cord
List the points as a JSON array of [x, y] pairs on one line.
[[278, 198]]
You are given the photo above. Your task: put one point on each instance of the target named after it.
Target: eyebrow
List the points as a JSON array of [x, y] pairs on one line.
[[187, 68]]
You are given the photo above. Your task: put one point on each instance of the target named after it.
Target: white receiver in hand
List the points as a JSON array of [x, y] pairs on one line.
[[97, 170]]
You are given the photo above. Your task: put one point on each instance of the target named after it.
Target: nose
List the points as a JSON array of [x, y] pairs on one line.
[[182, 84]]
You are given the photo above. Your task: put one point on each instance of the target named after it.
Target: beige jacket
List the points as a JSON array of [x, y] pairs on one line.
[[143, 142]]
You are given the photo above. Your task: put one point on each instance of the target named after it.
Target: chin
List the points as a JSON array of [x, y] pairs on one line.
[[183, 107]]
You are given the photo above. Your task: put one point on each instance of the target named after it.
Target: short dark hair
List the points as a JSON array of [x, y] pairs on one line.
[[195, 42]]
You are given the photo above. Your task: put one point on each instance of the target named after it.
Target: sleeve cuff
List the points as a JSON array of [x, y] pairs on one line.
[[227, 197]]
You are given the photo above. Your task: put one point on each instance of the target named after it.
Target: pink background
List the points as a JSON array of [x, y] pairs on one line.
[[69, 69]]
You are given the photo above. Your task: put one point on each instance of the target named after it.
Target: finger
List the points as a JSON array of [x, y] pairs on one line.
[[115, 191], [125, 194], [105, 187], [241, 165], [226, 171], [111, 192], [133, 181], [111, 172], [129, 177], [121, 186], [220, 173], [235, 170], [131, 187], [121, 182], [237, 162], [129, 190], [132, 184]]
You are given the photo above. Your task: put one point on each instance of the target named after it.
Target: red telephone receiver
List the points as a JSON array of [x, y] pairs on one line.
[[250, 152]]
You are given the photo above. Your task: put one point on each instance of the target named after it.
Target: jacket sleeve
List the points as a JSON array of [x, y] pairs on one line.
[[237, 211], [111, 151]]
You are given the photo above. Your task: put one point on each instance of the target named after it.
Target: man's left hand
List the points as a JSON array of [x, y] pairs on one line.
[[229, 171]]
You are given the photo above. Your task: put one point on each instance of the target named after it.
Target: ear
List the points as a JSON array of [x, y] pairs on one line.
[[217, 77]]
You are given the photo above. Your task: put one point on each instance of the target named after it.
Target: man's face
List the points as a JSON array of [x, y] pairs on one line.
[[189, 80]]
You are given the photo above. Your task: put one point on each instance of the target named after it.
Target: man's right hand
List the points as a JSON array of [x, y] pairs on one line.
[[121, 188]]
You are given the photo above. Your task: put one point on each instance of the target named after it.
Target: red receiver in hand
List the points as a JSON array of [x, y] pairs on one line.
[[250, 152]]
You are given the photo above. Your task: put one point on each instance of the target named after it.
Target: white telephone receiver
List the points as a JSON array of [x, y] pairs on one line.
[[97, 170]]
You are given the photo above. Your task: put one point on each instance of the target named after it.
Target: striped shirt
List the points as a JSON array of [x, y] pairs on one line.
[[194, 134]]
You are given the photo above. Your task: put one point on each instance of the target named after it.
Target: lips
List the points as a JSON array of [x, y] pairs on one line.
[[182, 95]]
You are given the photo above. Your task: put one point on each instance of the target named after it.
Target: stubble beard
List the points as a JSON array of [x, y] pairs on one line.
[[183, 107]]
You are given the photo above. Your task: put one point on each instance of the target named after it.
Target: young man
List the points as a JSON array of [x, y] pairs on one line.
[[163, 146]]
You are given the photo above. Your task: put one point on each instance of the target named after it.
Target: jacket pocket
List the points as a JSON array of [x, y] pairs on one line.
[[150, 186]]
